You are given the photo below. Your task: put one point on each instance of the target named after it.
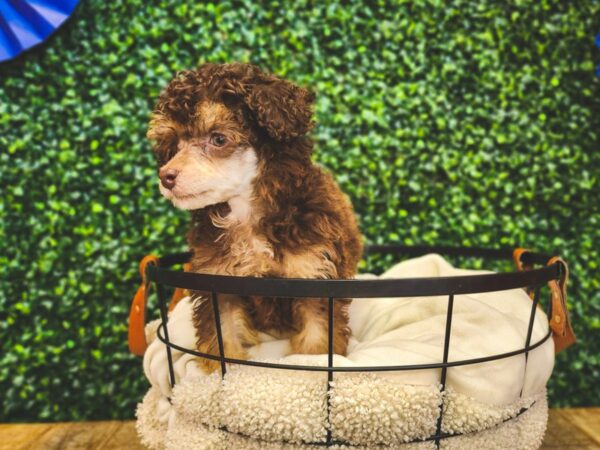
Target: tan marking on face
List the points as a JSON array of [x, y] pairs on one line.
[[211, 115], [164, 133], [159, 126]]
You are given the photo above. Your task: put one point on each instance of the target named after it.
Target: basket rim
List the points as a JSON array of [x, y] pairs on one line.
[[365, 288]]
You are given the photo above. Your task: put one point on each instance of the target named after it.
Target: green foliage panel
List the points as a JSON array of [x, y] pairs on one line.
[[447, 122]]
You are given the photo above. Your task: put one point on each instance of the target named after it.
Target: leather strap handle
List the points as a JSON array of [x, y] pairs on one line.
[[517, 257], [137, 314], [179, 293], [521, 266], [136, 335], [562, 333]]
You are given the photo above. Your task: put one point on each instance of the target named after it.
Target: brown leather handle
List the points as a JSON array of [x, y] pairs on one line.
[[517, 255], [562, 333], [179, 293], [136, 335], [137, 313]]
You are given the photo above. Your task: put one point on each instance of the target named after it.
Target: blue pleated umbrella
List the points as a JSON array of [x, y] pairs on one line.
[[598, 45], [26, 23]]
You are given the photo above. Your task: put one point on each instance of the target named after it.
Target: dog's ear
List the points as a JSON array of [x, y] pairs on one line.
[[283, 109]]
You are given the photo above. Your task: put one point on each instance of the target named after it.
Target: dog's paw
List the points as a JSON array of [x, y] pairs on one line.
[[208, 366]]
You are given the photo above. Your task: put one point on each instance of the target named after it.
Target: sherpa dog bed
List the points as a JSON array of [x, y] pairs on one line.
[[260, 408]]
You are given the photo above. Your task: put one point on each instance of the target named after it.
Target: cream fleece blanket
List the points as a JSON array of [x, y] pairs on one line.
[[367, 409]]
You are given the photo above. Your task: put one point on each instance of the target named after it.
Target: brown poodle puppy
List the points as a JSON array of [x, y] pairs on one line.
[[232, 148]]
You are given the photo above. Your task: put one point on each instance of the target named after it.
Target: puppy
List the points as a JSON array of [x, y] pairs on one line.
[[231, 146]]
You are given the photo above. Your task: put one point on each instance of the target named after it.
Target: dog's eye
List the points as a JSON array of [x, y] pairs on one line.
[[218, 139]]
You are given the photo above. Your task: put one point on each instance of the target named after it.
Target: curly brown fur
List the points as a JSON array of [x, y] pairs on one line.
[[231, 146]]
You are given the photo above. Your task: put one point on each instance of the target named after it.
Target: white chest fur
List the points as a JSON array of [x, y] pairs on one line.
[[250, 254]]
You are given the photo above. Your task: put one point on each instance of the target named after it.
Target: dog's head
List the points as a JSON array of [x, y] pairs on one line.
[[210, 124]]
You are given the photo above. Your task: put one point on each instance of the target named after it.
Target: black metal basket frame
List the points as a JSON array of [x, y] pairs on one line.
[[532, 280]]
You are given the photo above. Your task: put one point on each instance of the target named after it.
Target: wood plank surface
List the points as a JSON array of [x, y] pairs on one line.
[[109, 435], [573, 428]]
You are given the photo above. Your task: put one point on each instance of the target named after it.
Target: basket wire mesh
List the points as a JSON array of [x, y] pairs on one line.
[[531, 280]]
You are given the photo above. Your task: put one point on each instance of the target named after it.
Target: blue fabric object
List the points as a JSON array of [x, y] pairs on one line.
[[598, 44], [26, 23]]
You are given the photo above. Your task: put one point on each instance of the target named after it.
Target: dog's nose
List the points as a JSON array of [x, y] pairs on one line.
[[167, 178]]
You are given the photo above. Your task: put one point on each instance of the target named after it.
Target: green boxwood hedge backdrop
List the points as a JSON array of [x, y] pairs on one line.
[[449, 122]]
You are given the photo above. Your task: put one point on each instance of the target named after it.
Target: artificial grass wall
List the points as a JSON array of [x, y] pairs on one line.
[[449, 122]]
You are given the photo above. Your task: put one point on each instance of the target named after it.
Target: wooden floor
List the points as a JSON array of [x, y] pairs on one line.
[[574, 428], [577, 428]]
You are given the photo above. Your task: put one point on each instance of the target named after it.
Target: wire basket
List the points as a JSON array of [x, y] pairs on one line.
[[553, 272]]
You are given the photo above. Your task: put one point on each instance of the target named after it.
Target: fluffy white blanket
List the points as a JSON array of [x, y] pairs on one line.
[[366, 409]]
